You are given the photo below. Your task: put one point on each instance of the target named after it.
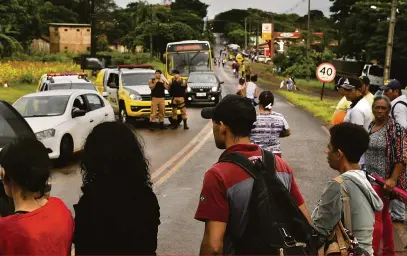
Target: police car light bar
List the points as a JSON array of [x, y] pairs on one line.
[[66, 74], [131, 66]]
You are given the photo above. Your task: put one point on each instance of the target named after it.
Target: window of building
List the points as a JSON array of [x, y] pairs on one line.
[[66, 29], [88, 48], [55, 29], [88, 30], [78, 30]]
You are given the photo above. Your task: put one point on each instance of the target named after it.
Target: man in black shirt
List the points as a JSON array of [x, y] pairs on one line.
[[177, 91], [157, 86]]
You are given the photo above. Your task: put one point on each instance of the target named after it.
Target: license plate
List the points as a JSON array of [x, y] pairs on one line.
[[201, 94]]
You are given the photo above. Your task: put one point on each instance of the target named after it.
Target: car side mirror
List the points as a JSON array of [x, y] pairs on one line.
[[221, 82], [78, 113], [113, 85], [105, 94]]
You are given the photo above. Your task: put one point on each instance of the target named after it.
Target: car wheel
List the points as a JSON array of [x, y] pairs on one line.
[[65, 151], [123, 118], [219, 99]]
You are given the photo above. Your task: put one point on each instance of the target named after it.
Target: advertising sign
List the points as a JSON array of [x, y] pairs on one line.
[[267, 31]]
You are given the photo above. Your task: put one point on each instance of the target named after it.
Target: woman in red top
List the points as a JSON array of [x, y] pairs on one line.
[[39, 225]]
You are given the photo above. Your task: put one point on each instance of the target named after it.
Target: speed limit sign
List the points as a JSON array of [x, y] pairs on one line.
[[326, 72]]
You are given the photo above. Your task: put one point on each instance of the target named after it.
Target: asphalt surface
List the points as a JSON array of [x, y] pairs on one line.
[[179, 160]]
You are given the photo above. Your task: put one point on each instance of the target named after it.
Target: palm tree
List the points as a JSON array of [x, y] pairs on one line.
[[8, 43]]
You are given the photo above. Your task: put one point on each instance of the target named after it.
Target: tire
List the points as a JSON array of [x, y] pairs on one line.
[[65, 150], [123, 118], [219, 99], [175, 122]]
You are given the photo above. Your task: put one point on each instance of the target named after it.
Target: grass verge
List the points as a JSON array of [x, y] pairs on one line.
[[321, 109], [14, 92]]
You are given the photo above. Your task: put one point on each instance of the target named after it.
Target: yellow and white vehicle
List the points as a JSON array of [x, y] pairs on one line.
[[127, 89], [188, 56]]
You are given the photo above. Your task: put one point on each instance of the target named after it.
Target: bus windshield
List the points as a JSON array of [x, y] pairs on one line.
[[188, 62]]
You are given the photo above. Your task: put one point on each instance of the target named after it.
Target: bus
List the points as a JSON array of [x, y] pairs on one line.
[[188, 56]]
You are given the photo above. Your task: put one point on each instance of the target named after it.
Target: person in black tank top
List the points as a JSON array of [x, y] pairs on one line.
[[157, 86], [178, 89]]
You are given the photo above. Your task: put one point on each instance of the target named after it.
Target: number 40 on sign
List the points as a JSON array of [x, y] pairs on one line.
[[326, 73]]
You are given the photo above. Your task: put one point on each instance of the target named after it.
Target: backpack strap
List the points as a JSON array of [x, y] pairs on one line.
[[394, 106], [346, 204]]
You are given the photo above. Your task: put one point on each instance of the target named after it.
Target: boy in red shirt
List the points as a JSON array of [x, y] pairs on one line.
[[39, 226], [227, 187]]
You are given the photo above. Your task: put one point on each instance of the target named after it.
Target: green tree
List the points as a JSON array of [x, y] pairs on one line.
[[237, 37], [195, 6], [8, 43]]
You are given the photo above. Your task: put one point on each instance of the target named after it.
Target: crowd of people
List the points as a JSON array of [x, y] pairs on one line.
[[119, 214]]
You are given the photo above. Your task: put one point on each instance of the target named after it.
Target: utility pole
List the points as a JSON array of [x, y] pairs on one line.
[[390, 39], [93, 30], [245, 34], [257, 37], [308, 38], [151, 32]]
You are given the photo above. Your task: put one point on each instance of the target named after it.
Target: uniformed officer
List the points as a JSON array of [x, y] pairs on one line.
[[157, 86], [177, 90]]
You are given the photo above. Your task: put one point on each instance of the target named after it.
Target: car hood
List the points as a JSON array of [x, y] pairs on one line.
[[140, 89], [39, 124], [202, 84]]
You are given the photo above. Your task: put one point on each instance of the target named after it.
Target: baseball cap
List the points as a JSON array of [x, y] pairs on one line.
[[175, 72], [365, 80], [345, 84], [392, 84], [233, 110]]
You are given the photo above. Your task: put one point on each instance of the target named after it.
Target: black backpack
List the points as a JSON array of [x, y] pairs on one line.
[[275, 226], [392, 109]]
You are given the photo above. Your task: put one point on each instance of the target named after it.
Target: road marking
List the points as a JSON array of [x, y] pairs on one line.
[[181, 153], [326, 130], [182, 161]]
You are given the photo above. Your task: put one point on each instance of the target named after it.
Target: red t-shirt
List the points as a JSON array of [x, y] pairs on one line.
[[227, 183], [45, 231]]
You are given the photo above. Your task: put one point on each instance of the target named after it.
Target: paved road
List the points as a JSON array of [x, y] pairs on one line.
[[179, 160]]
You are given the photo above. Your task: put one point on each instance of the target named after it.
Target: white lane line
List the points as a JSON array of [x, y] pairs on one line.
[[326, 130], [182, 152], [182, 161]]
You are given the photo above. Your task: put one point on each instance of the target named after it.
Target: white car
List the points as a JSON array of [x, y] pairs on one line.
[[62, 119]]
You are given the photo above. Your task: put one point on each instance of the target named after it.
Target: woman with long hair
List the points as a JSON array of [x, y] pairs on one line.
[[270, 126], [387, 157], [118, 213], [38, 224]]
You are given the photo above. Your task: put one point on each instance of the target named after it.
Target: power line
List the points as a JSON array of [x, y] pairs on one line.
[[298, 4]]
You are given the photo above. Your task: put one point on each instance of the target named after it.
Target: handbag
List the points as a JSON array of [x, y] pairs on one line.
[[341, 241]]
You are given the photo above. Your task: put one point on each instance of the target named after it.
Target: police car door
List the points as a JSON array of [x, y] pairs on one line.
[[112, 89]]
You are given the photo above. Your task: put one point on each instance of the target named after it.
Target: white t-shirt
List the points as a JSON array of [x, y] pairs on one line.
[[360, 114], [251, 89], [400, 110]]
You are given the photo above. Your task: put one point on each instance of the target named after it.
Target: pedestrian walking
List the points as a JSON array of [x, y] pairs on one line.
[[270, 126], [252, 91], [39, 225], [398, 112], [177, 89], [157, 86], [348, 197], [118, 213], [224, 61], [387, 157], [343, 105], [290, 83], [227, 187], [360, 110], [241, 88]]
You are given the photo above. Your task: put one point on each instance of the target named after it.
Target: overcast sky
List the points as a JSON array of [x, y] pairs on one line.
[[277, 6]]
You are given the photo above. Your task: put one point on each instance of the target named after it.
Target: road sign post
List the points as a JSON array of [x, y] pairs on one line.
[[326, 73]]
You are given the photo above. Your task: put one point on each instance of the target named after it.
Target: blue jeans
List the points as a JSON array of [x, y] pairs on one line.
[[398, 210]]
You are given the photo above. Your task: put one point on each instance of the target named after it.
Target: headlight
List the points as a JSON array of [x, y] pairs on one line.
[[45, 134], [189, 89], [214, 89], [135, 96]]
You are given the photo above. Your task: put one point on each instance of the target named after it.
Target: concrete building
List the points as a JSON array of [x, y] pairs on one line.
[[66, 37]]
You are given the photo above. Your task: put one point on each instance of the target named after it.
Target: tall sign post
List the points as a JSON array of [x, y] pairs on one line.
[[326, 73], [267, 35]]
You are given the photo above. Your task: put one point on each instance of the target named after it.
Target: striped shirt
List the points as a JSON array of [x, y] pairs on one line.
[[267, 130]]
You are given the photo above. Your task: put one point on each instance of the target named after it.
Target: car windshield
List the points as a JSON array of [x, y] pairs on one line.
[[137, 79], [12, 125], [40, 106], [202, 78], [188, 62], [64, 86], [376, 71]]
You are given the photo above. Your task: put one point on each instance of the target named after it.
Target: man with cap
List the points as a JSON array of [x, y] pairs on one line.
[[393, 91], [343, 105], [228, 184], [360, 111], [177, 90]]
